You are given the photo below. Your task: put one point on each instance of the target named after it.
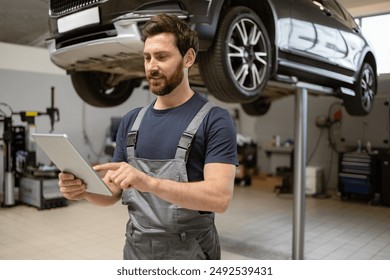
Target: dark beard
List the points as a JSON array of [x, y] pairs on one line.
[[170, 83]]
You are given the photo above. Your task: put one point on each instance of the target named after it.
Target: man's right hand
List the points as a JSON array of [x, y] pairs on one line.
[[71, 187]]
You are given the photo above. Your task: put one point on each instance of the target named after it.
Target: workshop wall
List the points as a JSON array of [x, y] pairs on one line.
[[86, 125], [279, 120]]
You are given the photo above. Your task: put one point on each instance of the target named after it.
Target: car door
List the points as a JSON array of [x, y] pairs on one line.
[[313, 35], [349, 41]]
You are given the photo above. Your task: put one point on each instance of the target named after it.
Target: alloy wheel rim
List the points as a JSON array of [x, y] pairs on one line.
[[247, 54], [367, 85]]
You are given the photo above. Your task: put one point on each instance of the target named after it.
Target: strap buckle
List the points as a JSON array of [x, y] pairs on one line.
[[185, 140], [131, 138]]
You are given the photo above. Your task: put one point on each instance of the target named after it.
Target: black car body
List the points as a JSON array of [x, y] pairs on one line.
[[247, 48]]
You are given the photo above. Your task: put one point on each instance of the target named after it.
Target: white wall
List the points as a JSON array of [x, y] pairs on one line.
[[27, 59]]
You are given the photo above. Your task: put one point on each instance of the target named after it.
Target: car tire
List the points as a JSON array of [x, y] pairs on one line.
[[93, 89], [258, 107], [365, 88], [238, 65]]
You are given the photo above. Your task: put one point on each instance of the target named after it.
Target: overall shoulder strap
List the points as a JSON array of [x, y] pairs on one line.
[[184, 146], [132, 135]]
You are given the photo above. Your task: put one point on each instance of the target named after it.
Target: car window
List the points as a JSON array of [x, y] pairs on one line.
[[351, 21], [334, 8]]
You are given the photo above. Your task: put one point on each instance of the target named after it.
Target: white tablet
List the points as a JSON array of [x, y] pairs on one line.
[[67, 158]]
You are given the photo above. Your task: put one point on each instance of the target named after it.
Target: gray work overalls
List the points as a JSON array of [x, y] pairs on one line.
[[158, 229]]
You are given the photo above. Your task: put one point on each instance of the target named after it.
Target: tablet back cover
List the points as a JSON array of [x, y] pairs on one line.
[[61, 151]]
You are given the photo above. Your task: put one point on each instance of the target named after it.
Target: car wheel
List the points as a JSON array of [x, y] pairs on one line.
[[258, 107], [92, 87], [238, 65], [365, 88]]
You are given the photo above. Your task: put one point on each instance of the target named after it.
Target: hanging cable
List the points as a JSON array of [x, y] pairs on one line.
[[315, 147], [331, 141]]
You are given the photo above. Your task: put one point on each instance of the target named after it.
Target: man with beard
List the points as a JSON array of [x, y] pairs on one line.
[[175, 159]]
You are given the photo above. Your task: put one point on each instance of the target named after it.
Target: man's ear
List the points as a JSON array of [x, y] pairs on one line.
[[189, 58]]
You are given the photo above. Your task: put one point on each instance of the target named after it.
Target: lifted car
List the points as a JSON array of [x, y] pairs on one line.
[[247, 47]]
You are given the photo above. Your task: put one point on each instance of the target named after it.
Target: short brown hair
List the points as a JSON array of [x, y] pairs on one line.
[[186, 38]]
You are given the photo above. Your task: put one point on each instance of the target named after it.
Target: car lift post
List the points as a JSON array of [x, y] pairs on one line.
[[300, 145], [300, 132]]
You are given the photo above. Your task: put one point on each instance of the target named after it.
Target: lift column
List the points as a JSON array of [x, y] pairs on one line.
[[300, 136]]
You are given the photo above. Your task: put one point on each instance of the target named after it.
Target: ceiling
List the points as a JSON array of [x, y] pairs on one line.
[[24, 22]]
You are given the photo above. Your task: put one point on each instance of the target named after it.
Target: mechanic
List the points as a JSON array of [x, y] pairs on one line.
[[175, 160]]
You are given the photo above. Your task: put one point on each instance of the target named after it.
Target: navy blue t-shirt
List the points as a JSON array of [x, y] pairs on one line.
[[160, 131]]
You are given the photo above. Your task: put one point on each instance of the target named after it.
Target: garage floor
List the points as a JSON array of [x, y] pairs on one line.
[[257, 225]]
